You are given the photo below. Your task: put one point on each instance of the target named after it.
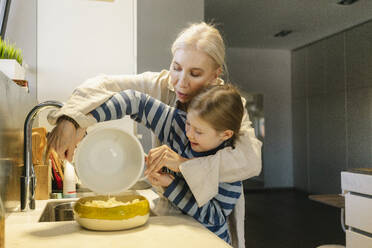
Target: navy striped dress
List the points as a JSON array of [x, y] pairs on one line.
[[168, 124]]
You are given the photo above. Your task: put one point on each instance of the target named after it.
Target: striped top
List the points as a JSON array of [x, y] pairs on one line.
[[168, 124]]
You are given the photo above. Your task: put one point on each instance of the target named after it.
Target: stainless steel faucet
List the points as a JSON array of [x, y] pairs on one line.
[[28, 179]]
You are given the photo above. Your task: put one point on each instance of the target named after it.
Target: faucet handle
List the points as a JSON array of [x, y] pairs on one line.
[[24, 194], [32, 191], [28, 192], [32, 204]]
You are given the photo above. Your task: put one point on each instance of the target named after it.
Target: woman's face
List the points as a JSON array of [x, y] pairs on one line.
[[190, 71]]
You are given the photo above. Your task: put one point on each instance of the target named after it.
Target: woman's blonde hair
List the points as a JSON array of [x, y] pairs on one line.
[[221, 107], [203, 37]]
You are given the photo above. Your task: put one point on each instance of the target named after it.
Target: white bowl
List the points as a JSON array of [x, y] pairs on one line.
[[109, 160]]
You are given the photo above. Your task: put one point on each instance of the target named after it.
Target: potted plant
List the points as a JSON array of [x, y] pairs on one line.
[[11, 61]]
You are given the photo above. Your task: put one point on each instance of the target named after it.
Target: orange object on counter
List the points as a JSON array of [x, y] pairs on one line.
[[57, 168], [44, 183], [39, 141]]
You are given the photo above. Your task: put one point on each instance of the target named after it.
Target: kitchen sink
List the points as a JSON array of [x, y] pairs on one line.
[[61, 211], [58, 211]]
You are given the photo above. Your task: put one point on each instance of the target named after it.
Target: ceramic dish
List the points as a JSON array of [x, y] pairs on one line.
[[112, 218], [109, 160]]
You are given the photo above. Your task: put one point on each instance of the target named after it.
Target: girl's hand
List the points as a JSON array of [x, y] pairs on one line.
[[163, 156], [160, 179], [64, 138]]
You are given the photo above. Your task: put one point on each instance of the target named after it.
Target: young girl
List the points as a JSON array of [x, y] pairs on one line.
[[212, 122]]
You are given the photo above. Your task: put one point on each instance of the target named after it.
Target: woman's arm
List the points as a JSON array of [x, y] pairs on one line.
[[96, 91], [93, 93], [227, 165]]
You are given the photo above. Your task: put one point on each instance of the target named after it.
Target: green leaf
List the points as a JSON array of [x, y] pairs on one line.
[[9, 51]]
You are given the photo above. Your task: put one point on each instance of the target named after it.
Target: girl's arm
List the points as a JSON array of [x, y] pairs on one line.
[[157, 116], [215, 211]]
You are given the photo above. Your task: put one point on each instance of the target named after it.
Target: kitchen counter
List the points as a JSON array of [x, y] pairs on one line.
[[23, 230]]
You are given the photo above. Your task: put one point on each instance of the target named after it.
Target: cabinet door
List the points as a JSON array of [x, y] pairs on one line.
[[357, 240], [358, 212], [80, 39]]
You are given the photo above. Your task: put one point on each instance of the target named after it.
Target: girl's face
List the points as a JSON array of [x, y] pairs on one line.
[[190, 71], [202, 136]]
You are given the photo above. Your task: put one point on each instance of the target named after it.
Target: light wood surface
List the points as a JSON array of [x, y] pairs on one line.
[[43, 182], [337, 201], [160, 232], [367, 171], [39, 141]]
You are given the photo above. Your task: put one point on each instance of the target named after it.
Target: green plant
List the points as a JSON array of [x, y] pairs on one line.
[[9, 51]]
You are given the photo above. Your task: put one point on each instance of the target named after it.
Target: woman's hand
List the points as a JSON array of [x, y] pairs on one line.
[[64, 138], [163, 156], [160, 179]]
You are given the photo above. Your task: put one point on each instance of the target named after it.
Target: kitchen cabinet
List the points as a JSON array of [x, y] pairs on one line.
[[357, 187]]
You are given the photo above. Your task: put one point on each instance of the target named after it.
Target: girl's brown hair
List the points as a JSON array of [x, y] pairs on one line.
[[221, 107]]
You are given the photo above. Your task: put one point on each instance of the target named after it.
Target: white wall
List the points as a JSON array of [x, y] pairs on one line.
[[79, 39], [21, 29], [269, 72]]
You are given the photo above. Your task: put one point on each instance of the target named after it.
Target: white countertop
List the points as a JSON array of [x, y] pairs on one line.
[[22, 229]]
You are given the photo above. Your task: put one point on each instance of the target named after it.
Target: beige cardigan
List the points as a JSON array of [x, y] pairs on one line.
[[227, 165]]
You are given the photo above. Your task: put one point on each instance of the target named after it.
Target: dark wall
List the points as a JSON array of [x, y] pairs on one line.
[[332, 109]]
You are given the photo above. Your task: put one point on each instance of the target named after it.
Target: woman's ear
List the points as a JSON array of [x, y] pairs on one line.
[[218, 72], [227, 134]]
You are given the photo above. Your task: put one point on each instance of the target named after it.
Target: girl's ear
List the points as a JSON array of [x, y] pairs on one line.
[[227, 134]]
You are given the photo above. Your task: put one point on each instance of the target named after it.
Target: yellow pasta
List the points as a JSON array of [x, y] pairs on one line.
[[111, 202]]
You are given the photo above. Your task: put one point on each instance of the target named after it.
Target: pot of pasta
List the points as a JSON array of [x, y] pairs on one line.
[[109, 213]]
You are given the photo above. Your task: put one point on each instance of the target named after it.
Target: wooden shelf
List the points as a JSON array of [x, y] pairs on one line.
[[337, 201], [23, 83], [367, 171]]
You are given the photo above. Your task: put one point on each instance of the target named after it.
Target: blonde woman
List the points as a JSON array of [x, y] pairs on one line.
[[198, 61]]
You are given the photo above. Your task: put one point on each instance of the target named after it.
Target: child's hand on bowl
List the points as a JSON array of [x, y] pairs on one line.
[[163, 156], [160, 179]]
